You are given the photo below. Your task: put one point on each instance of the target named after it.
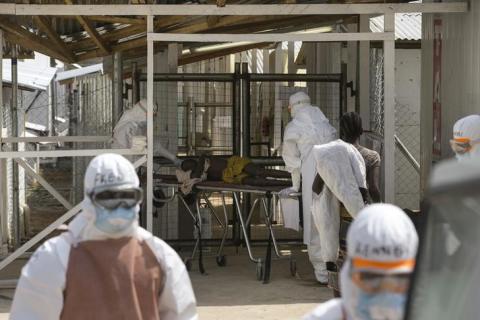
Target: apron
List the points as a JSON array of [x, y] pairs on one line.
[[308, 176], [112, 279]]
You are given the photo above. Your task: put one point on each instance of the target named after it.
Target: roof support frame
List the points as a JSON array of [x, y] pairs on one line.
[[248, 10]]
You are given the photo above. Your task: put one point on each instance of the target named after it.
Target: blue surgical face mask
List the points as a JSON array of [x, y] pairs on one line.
[[114, 221], [380, 306]]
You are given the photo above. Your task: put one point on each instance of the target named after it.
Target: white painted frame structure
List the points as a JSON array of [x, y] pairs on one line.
[[388, 38]]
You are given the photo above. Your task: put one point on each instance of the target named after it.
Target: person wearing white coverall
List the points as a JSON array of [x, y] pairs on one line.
[[308, 127], [342, 168], [381, 249], [133, 122], [105, 266], [466, 138]]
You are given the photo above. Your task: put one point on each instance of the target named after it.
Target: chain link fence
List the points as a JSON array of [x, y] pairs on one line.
[[407, 124]]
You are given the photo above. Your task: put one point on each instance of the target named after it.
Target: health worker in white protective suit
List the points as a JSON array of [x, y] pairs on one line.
[[308, 127], [133, 123], [381, 249], [466, 138], [105, 266]]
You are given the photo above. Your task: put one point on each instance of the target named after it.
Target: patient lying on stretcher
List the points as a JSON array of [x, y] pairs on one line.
[[235, 170]]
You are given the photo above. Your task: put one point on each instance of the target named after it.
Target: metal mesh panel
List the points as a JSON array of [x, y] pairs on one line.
[[84, 109], [407, 130], [269, 113], [194, 118]]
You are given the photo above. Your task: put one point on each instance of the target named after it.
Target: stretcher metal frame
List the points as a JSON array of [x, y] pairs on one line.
[[205, 189]]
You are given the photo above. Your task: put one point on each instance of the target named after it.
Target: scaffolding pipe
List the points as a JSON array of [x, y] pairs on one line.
[[117, 88], [404, 150], [245, 111], [281, 77], [15, 181], [191, 77], [135, 84], [3, 179]]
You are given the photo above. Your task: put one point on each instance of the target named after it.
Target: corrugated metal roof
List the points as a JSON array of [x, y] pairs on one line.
[[33, 73], [408, 26]]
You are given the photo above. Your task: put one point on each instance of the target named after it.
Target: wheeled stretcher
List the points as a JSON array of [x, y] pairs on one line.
[[204, 191]]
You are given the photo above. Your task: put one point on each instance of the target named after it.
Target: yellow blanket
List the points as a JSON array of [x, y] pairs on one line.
[[233, 173]]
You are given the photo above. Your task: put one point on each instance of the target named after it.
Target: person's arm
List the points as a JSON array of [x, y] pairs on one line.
[[39, 293], [373, 177], [167, 154], [293, 162], [318, 184], [177, 300]]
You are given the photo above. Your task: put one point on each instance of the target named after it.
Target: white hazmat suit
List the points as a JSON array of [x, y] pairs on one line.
[[382, 240], [49, 281], [466, 137], [133, 123], [309, 127], [342, 169]]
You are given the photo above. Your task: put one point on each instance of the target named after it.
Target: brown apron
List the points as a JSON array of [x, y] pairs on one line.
[[112, 279]]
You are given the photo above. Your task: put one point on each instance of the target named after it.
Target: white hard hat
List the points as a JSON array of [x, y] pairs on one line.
[[382, 239], [110, 171], [298, 100]]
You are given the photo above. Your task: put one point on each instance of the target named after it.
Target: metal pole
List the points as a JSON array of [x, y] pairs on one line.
[[53, 101], [15, 181], [117, 89], [135, 84], [3, 167], [150, 67], [389, 111], [245, 111], [237, 137]]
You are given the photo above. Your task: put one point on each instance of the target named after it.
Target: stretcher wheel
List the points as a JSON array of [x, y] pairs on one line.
[[221, 261], [260, 270], [188, 264], [293, 267]]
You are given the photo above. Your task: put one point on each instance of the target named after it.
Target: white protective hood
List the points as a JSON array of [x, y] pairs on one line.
[[384, 235], [468, 127], [103, 171]]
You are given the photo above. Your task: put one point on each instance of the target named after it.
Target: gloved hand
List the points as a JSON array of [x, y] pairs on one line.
[[296, 179], [177, 162], [285, 193]]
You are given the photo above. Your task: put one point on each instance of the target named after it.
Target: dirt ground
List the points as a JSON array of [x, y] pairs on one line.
[[234, 290]]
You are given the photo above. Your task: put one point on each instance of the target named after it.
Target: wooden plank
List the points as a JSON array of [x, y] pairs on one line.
[[92, 32], [45, 26], [196, 57], [122, 20], [16, 34], [124, 46], [269, 37], [111, 36], [253, 10]]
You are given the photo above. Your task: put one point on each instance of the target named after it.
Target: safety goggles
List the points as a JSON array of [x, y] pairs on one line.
[[463, 145], [371, 282], [113, 199]]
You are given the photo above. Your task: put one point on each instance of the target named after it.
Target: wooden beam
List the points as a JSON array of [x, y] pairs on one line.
[[127, 45], [196, 57], [92, 32], [122, 20], [111, 36], [233, 10], [18, 35], [45, 26]]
